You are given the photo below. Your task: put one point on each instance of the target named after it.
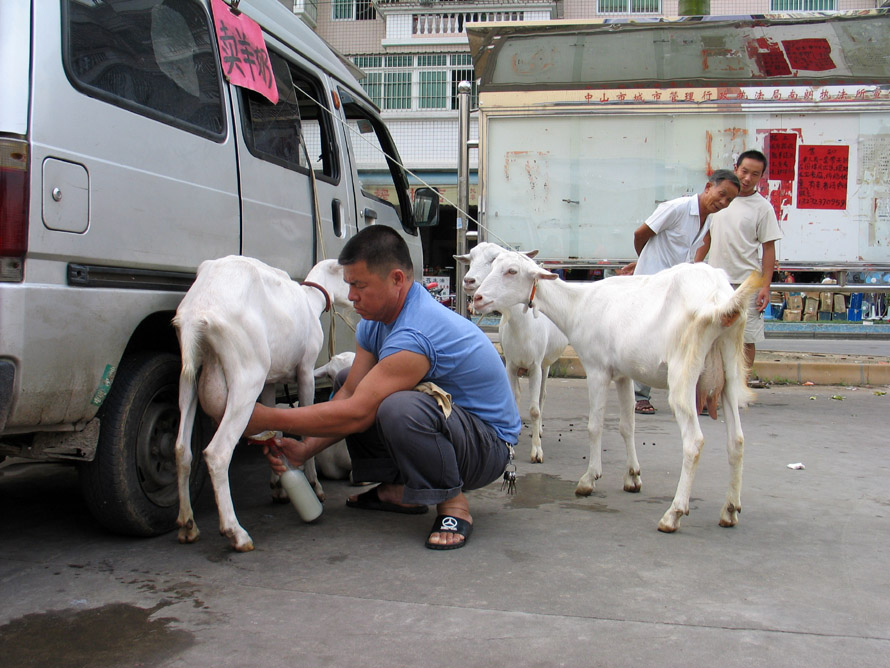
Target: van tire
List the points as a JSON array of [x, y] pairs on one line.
[[130, 486]]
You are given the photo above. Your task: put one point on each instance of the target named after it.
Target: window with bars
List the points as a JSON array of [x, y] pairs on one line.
[[358, 10], [424, 82], [630, 6], [803, 5], [397, 82], [462, 70], [433, 80]]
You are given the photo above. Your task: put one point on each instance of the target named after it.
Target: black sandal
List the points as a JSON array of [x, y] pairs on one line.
[[450, 524]]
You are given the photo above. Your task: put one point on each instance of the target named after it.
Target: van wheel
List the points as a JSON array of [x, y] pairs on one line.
[[130, 487]]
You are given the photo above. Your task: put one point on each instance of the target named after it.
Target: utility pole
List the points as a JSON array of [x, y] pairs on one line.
[[463, 190]]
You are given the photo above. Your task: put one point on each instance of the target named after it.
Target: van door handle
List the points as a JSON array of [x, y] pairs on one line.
[[337, 217], [369, 215]]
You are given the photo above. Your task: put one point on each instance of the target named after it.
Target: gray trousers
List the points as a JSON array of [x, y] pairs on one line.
[[412, 444]]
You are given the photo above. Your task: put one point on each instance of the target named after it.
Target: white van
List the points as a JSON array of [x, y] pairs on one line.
[[126, 159]]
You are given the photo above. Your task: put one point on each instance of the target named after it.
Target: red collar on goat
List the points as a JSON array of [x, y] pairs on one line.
[[531, 297], [327, 297]]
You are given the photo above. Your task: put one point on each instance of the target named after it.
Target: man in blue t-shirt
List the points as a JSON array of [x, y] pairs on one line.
[[421, 453]]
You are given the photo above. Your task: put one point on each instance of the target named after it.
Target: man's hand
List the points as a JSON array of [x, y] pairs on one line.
[[762, 298], [626, 270], [294, 450]]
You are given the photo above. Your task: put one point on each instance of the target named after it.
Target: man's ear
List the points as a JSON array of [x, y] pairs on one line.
[[398, 276]]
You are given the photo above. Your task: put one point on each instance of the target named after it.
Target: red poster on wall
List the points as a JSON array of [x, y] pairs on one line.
[[822, 177], [813, 54], [782, 153], [242, 51]]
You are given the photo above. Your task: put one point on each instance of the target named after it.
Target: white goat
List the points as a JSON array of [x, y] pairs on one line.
[[246, 326], [529, 342], [681, 328], [334, 461]]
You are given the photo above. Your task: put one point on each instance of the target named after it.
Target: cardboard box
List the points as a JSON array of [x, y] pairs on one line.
[[825, 301], [811, 307], [776, 298], [824, 315], [839, 305], [812, 295], [809, 317], [795, 302], [791, 315]]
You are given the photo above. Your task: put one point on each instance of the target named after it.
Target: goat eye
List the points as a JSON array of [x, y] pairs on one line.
[[512, 271]]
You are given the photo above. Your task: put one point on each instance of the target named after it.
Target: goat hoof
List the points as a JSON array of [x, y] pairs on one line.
[[188, 531], [730, 516], [670, 522], [188, 536], [664, 527], [245, 547], [583, 490]]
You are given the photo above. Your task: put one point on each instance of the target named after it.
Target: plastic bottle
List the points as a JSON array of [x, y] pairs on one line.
[[300, 492], [294, 482]]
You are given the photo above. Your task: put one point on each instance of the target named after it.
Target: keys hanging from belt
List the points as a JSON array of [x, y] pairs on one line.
[[509, 483]]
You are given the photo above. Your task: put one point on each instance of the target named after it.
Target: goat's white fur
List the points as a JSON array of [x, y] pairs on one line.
[[333, 462], [681, 328], [245, 326], [528, 342]]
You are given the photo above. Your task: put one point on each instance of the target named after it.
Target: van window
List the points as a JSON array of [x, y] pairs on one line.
[[272, 131], [380, 174], [153, 58]]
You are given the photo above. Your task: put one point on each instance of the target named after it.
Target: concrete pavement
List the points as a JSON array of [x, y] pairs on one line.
[[547, 579]]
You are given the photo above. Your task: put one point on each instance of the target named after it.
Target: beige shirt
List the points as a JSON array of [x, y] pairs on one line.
[[737, 233]]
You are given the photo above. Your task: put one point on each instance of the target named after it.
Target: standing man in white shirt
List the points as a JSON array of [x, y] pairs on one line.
[[742, 238], [672, 234]]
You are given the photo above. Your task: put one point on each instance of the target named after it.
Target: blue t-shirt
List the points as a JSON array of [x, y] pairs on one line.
[[463, 361]]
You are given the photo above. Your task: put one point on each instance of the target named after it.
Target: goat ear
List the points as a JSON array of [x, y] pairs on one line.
[[543, 274], [532, 253], [462, 258]]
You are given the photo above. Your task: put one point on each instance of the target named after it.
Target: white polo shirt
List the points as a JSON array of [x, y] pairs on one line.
[[677, 235]]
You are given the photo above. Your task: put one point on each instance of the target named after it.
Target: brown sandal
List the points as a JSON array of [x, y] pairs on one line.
[[643, 407]]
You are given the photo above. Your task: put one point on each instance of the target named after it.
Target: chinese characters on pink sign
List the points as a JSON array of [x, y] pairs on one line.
[[822, 177], [242, 51], [782, 154]]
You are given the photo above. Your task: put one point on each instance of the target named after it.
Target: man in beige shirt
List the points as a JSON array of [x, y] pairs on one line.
[[742, 238]]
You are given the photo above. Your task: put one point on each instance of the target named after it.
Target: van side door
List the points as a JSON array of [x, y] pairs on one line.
[[278, 145]]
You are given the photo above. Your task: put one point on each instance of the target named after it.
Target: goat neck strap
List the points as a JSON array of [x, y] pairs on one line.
[[327, 297], [531, 297]]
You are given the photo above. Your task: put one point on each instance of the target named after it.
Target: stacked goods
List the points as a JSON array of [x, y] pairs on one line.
[[793, 308]]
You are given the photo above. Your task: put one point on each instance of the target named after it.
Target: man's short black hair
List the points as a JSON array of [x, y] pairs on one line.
[[381, 248], [753, 154], [721, 175]]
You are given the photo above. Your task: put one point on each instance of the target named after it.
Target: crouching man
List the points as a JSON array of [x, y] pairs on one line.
[[423, 448]]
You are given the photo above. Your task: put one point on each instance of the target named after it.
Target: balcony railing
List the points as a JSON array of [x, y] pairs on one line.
[[445, 23]]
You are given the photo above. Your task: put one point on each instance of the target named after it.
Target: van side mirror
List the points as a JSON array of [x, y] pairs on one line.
[[426, 207]]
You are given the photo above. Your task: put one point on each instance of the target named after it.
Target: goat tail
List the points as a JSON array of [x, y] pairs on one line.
[[737, 305], [191, 334], [713, 359]]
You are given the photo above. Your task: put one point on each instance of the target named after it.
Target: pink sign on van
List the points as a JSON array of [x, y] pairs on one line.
[[242, 51]]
